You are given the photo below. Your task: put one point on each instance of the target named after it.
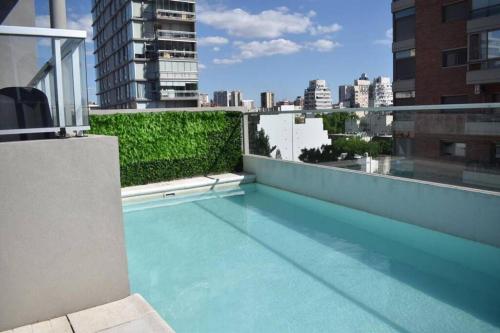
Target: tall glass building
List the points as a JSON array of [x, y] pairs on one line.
[[146, 55]]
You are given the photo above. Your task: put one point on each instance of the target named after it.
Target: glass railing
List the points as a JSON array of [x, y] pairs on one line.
[[485, 11], [182, 35], [450, 144], [175, 15], [178, 94], [43, 83]]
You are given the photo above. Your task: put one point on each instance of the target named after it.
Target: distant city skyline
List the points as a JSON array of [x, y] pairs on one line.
[[274, 45]]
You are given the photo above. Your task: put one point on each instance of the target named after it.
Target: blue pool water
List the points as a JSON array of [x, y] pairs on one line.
[[258, 259]]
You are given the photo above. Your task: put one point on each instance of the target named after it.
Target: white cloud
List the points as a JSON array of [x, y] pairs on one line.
[[75, 22], [387, 40], [201, 66], [266, 24], [258, 49], [325, 29], [323, 45], [227, 61], [212, 40], [216, 49]]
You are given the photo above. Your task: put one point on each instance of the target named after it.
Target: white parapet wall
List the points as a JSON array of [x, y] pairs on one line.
[[62, 245], [467, 213]]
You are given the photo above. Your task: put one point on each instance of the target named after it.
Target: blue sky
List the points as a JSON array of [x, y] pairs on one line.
[[276, 45]]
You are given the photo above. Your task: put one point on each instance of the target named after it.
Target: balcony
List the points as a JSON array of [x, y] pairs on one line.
[[178, 94], [50, 73], [177, 54], [173, 15], [485, 12], [484, 72], [181, 36]]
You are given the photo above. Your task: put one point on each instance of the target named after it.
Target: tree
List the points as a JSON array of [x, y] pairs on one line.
[[261, 144], [348, 146], [334, 122]]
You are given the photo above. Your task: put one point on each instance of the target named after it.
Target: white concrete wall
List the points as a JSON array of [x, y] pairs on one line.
[[62, 243], [467, 213], [290, 138]]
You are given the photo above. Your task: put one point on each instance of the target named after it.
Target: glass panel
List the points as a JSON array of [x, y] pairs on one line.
[[458, 147], [455, 57], [404, 28], [456, 11], [28, 94], [494, 44]]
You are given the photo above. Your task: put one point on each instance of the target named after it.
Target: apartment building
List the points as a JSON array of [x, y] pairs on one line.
[[236, 98], [267, 100], [447, 52], [146, 54], [317, 96], [222, 98], [381, 92]]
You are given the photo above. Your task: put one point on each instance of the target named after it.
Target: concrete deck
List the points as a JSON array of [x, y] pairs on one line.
[[196, 184], [132, 314]]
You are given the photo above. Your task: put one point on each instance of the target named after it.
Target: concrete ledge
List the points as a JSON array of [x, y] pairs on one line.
[[467, 213], [196, 184]]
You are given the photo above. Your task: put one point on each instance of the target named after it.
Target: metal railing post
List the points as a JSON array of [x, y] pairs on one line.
[[246, 137], [59, 91]]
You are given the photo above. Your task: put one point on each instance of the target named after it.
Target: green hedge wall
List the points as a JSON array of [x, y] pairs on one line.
[[161, 146]]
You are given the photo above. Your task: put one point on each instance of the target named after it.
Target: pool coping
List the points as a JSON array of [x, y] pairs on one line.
[[195, 184]]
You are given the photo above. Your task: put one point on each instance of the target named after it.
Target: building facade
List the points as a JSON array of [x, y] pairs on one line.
[[146, 53], [361, 94], [204, 100], [267, 100], [222, 98], [317, 96], [248, 104], [381, 92], [236, 98], [346, 96], [447, 52]]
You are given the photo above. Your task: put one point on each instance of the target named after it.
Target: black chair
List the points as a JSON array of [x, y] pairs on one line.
[[24, 107]]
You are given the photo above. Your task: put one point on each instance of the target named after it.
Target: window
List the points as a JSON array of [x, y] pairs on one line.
[[494, 44], [484, 45], [459, 99], [455, 149], [477, 46], [456, 57], [497, 150], [404, 65], [484, 8], [404, 98], [404, 24], [455, 12]]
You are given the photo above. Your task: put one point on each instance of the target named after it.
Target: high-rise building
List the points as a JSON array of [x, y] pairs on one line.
[[222, 98], [381, 92], [361, 93], [346, 96], [236, 98], [248, 104], [317, 96], [447, 52], [146, 55], [204, 100], [267, 100], [299, 101]]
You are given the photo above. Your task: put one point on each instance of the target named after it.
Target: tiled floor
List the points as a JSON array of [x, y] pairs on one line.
[[132, 314]]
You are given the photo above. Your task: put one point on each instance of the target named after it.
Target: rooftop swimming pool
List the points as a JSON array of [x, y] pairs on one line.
[[258, 259]]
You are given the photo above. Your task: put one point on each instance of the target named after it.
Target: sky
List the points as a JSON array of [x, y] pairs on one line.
[[274, 45]]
